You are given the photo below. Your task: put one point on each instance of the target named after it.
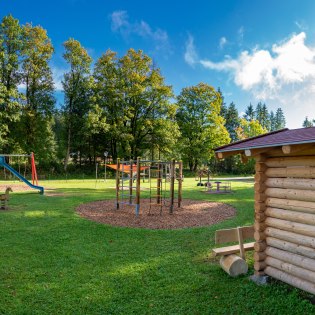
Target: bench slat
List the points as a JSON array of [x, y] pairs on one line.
[[231, 235], [227, 250]]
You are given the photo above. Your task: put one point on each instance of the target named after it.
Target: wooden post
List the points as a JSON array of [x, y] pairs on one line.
[[241, 242], [158, 184], [138, 187], [260, 216], [172, 184], [130, 181], [117, 183], [180, 183]]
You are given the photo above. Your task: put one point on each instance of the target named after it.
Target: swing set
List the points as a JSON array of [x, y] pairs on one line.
[[161, 177], [34, 183]]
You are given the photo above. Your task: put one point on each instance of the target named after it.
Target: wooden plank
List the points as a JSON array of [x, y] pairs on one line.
[[231, 235], [241, 242], [227, 250]]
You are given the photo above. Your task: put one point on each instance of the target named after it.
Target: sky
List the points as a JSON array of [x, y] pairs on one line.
[[253, 50]]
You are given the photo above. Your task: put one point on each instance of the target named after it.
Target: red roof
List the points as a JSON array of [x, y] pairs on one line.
[[273, 139]]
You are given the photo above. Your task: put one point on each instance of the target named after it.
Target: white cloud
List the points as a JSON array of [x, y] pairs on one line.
[[120, 23], [58, 77], [223, 42], [283, 75], [190, 56]]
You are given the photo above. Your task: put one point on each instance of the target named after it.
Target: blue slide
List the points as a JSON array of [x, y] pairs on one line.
[[18, 175]]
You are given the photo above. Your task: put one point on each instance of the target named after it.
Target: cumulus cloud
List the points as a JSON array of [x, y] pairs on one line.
[[190, 55], [121, 23], [284, 74]]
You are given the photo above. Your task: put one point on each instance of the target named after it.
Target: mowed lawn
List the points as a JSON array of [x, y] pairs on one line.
[[54, 262]]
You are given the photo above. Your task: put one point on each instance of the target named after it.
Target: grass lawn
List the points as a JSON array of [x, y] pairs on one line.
[[54, 262]]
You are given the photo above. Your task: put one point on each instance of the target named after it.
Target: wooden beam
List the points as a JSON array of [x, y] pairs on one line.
[[223, 155], [290, 149], [254, 152]]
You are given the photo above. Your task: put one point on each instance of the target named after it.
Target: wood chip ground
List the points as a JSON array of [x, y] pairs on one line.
[[192, 213]]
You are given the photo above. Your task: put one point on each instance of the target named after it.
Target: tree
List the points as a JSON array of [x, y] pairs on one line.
[[248, 129], [131, 94], [231, 121], [10, 57], [308, 123], [279, 119], [249, 112], [77, 90], [202, 127], [262, 115], [145, 104], [38, 107]]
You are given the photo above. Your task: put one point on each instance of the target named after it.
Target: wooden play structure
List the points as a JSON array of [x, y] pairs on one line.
[[162, 177], [284, 204], [4, 198]]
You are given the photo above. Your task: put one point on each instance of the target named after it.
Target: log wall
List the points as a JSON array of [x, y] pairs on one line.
[[285, 219]]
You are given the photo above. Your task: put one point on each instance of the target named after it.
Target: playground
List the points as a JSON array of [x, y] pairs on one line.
[[55, 261]]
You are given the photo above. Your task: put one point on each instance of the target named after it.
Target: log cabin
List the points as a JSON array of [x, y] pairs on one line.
[[284, 203]]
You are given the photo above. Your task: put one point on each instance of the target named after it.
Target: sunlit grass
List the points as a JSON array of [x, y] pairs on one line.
[[55, 262]]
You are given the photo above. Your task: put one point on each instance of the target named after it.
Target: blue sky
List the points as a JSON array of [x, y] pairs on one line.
[[253, 50]]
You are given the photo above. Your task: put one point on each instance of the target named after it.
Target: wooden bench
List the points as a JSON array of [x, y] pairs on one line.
[[239, 234], [233, 264]]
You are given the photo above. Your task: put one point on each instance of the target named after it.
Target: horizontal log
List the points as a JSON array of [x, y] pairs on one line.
[[290, 161], [291, 183], [290, 149], [259, 236], [259, 187], [260, 226], [261, 177], [259, 206], [260, 246], [293, 216], [296, 172], [291, 269], [259, 256], [234, 265], [289, 279], [299, 228], [260, 167], [260, 197], [260, 265], [295, 205], [294, 259], [290, 237], [292, 194], [291, 247], [260, 217]]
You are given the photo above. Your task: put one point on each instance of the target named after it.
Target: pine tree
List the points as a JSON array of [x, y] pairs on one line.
[[279, 119], [249, 112], [307, 123]]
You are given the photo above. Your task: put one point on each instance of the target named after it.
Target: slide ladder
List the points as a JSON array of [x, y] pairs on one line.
[[18, 175]]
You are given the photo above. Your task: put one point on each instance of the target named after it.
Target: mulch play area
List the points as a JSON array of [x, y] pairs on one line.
[[192, 213]]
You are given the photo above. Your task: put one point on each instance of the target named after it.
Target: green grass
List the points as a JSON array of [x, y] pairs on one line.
[[54, 262]]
